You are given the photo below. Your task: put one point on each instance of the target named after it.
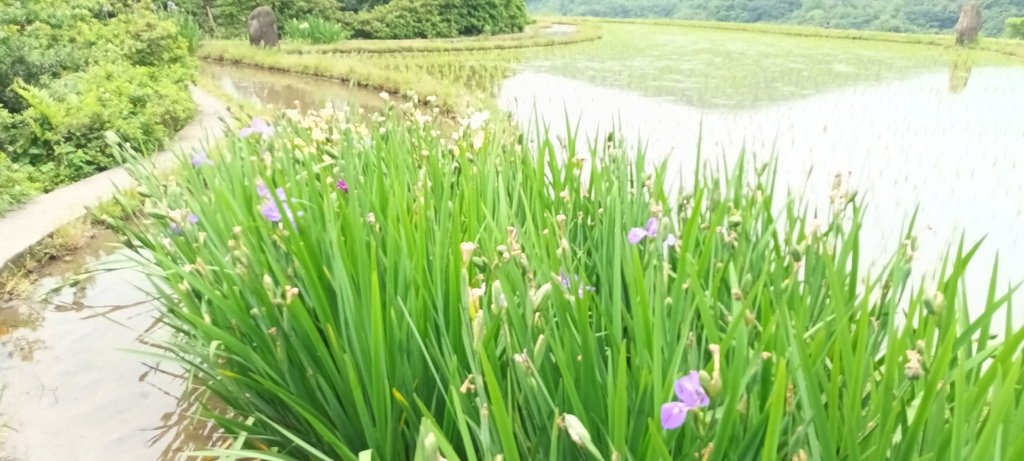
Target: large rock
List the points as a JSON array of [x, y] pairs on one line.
[[969, 24], [263, 27]]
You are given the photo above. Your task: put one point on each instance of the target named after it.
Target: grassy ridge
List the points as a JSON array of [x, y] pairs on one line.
[[533, 38], [351, 70], [997, 45]]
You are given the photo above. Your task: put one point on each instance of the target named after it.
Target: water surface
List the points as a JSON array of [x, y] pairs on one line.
[[914, 128], [76, 385]]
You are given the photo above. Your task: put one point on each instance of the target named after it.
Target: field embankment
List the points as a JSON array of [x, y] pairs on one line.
[[997, 45]]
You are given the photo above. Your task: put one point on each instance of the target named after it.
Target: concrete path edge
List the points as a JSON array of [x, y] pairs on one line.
[[27, 225]]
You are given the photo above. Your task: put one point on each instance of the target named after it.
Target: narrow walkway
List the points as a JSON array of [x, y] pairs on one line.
[[33, 221]]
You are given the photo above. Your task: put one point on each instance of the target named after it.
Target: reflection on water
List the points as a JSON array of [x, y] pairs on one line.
[[959, 73], [717, 69], [74, 386], [281, 89], [904, 142]]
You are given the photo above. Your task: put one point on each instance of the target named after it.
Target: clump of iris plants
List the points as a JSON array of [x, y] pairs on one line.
[[393, 287]]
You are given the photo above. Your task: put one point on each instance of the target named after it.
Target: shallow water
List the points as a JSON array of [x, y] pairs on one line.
[[76, 385], [911, 128], [283, 90]]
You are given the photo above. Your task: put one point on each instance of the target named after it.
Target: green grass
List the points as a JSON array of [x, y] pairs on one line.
[[533, 37], [352, 70], [997, 45], [422, 312]]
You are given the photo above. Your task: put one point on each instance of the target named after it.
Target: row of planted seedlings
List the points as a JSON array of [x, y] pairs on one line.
[[380, 289]]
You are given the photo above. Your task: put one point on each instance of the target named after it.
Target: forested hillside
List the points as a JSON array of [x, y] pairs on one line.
[[885, 15]]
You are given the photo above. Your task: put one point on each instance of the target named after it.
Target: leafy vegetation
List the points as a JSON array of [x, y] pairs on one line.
[[535, 36], [883, 15], [1015, 28], [373, 19], [16, 184], [376, 290], [72, 72], [229, 18], [315, 30]]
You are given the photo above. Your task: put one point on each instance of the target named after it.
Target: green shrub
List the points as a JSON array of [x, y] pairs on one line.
[[477, 17], [481, 299], [1015, 28], [406, 19], [33, 53], [16, 184], [315, 30], [63, 131], [72, 71]]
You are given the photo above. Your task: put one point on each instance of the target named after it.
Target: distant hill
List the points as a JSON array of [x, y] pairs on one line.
[[885, 15]]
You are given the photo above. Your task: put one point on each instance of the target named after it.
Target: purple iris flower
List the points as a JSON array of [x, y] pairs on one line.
[[175, 228], [581, 289], [652, 227], [670, 241], [691, 396], [192, 219], [636, 234], [269, 208], [257, 126], [343, 186], [270, 211], [200, 159]]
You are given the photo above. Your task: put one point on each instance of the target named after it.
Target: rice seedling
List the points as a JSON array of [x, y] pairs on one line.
[[534, 37], [373, 289], [348, 69]]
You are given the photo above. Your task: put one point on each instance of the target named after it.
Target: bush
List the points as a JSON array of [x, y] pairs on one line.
[[1015, 28], [381, 292], [33, 53], [407, 19], [477, 17], [16, 184], [73, 72], [67, 120], [315, 30]]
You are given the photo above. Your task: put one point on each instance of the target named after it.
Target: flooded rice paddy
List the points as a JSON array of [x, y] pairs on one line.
[[912, 127]]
